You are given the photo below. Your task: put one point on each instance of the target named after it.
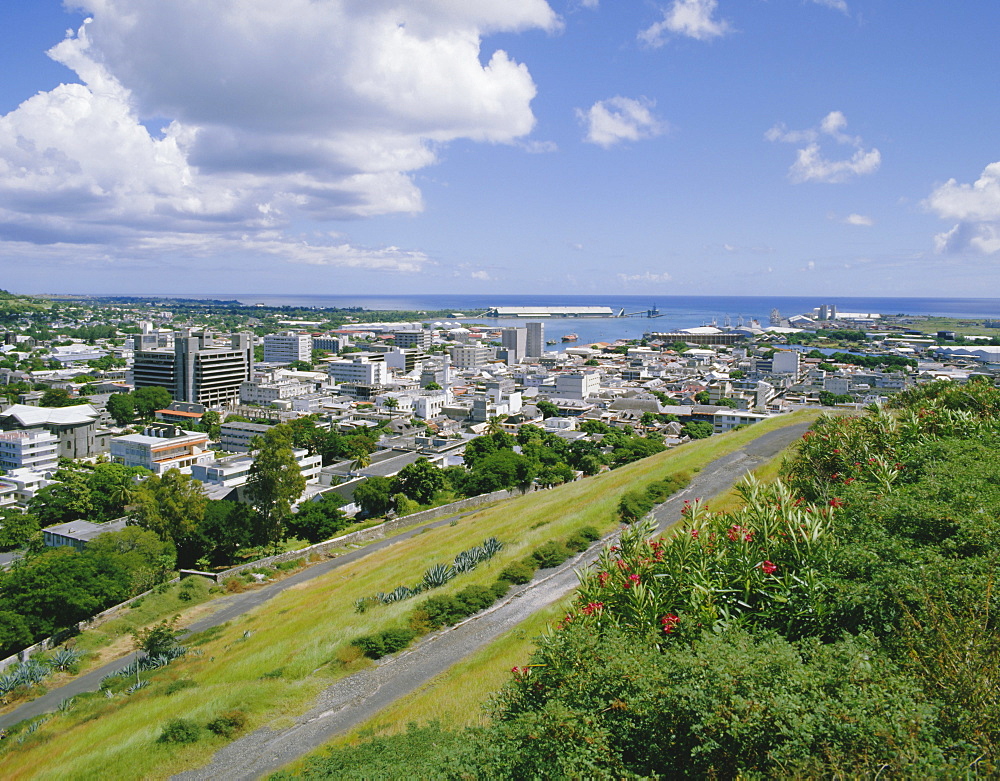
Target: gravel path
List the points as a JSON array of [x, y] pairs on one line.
[[354, 699]]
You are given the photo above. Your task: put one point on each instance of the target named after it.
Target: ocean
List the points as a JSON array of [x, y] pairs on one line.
[[676, 311]]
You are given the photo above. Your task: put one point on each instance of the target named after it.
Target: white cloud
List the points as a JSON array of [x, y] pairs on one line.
[[691, 18], [647, 276], [811, 166], [274, 113], [617, 119], [483, 276], [859, 219], [836, 5], [975, 206]]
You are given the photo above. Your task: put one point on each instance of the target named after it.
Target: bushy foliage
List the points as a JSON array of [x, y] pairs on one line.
[[180, 731]]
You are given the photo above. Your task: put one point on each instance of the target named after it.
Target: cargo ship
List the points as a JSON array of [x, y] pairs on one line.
[[570, 338]]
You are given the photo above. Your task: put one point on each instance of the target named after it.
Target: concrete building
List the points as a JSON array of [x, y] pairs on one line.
[[515, 342], [199, 369], [360, 370], [234, 471], [161, 448], [236, 436], [578, 385], [77, 428], [269, 388], [535, 344], [420, 340], [37, 450], [785, 362], [471, 357], [288, 348], [76, 534]]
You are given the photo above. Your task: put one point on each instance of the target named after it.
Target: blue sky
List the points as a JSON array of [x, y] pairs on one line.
[[839, 147]]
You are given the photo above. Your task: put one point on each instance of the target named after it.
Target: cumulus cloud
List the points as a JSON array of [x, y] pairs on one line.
[[647, 276], [859, 219], [273, 113], [976, 207], [690, 18], [811, 166], [618, 119]]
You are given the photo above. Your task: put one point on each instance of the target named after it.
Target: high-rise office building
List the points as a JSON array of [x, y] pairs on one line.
[[288, 348], [199, 369], [535, 340], [515, 342]]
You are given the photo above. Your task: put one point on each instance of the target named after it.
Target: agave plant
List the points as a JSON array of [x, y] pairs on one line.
[[491, 547], [65, 658], [136, 686], [438, 575], [465, 561], [7, 684], [66, 705]]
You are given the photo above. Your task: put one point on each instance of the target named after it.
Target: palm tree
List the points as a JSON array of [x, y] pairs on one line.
[[391, 404], [362, 461], [495, 424]]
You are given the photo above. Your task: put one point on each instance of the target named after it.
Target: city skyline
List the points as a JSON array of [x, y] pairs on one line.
[[700, 147]]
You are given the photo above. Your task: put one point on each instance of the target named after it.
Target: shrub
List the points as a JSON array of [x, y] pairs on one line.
[[517, 573], [551, 554], [180, 731], [580, 540], [228, 724], [179, 685], [475, 598], [441, 610], [386, 642], [500, 589], [234, 586]]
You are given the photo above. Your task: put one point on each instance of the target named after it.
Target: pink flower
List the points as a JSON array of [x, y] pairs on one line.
[[694, 534], [670, 622], [592, 607], [835, 502], [632, 580], [603, 578], [768, 567]]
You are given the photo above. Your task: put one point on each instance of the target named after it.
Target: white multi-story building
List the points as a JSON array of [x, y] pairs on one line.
[[578, 385], [33, 449], [160, 448], [785, 362], [515, 342], [471, 357], [288, 348], [259, 391], [359, 371], [233, 471]]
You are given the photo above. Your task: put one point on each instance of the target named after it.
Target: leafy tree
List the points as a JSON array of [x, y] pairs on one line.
[[157, 640], [173, 506], [828, 399], [148, 400], [697, 429], [112, 487], [547, 408], [211, 423], [16, 528], [121, 407], [702, 397], [432, 386], [419, 481], [69, 499], [15, 633], [301, 366], [227, 528], [374, 496], [501, 469], [319, 520], [737, 374], [727, 402], [275, 482], [57, 397], [138, 554]]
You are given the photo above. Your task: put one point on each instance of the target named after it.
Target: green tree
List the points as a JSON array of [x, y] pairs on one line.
[[702, 397], [69, 499], [319, 520], [58, 397], [211, 423], [391, 404], [227, 528], [275, 482], [547, 408], [15, 633], [697, 429], [16, 528], [432, 386], [374, 496], [148, 400], [121, 407], [173, 506], [419, 481]]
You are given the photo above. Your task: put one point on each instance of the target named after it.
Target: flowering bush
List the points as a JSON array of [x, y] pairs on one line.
[[763, 564]]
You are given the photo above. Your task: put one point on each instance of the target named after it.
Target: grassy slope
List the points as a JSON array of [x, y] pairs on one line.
[[299, 642]]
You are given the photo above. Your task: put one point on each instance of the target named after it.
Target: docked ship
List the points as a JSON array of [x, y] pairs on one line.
[[570, 338]]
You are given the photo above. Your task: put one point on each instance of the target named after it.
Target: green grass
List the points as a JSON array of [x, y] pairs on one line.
[[298, 642]]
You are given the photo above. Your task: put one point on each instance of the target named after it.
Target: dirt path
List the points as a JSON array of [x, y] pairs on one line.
[[352, 700]]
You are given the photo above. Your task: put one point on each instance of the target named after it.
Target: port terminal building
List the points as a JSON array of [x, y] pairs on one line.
[[532, 312]]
